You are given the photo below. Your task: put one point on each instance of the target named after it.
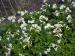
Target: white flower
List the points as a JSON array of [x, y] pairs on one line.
[[24, 46], [48, 50], [10, 45], [21, 37], [25, 34], [56, 48], [42, 17], [10, 18], [8, 38], [69, 0], [73, 4], [13, 21], [26, 39], [25, 11], [31, 12], [8, 52], [54, 31], [22, 13], [31, 21], [45, 52], [19, 12], [44, 1], [20, 20], [21, 54], [63, 0], [67, 10], [0, 38], [49, 5], [57, 30], [62, 6], [44, 10], [56, 13], [43, 6], [58, 25], [23, 26], [36, 27], [54, 6], [60, 22], [47, 26], [59, 35], [67, 27], [53, 45], [52, 26], [2, 19], [69, 18], [58, 41]]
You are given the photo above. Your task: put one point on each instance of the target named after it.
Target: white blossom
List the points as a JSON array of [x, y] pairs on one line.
[[47, 26], [22, 13], [23, 26], [26, 39], [0, 38], [52, 26], [2, 19], [21, 54], [63, 0], [31, 21], [13, 21], [10, 45], [53, 45], [67, 10], [54, 6], [12, 18], [62, 6], [44, 1], [59, 35], [25, 11], [20, 20], [43, 6], [56, 48], [67, 27], [24, 46], [36, 27], [8, 38], [57, 30], [59, 41], [42, 17], [44, 10], [60, 22], [8, 52], [56, 13], [58, 25], [45, 52], [48, 50], [73, 4], [19, 12], [31, 12], [49, 5], [69, 18]]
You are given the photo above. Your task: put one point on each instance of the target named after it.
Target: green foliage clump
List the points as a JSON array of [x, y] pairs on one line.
[[48, 32]]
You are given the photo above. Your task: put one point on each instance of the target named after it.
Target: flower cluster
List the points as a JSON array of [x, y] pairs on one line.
[[36, 32]]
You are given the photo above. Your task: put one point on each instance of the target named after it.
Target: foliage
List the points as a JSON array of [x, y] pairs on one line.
[[49, 32]]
